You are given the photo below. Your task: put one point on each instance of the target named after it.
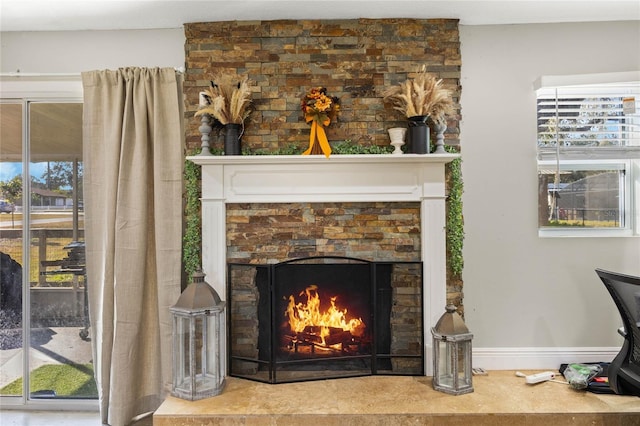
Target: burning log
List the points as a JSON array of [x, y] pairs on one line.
[[338, 337], [309, 336], [326, 338], [319, 336]]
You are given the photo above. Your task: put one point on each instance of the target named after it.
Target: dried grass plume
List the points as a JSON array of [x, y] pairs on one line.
[[229, 99], [422, 95]]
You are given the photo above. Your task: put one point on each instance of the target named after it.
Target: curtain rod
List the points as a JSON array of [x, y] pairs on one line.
[[54, 76], [32, 76]]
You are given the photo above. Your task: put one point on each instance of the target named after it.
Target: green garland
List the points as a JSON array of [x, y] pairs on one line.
[[192, 240], [455, 219], [337, 148]]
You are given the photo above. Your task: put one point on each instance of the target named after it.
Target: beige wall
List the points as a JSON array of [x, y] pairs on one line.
[[522, 291]]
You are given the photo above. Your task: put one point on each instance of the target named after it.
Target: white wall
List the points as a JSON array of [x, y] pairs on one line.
[[77, 51], [60, 56], [521, 291], [526, 298]]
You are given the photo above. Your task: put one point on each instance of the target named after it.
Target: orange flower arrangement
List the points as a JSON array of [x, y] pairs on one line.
[[319, 109]]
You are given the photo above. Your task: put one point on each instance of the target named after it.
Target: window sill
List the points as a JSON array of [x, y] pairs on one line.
[[589, 153], [582, 233]]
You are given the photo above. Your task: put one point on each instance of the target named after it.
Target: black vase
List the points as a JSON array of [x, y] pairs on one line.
[[232, 139], [418, 135]]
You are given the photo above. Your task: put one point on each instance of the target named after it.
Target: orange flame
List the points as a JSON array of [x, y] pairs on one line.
[[308, 314]]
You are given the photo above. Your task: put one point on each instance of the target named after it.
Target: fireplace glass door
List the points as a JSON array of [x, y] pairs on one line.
[[325, 317]]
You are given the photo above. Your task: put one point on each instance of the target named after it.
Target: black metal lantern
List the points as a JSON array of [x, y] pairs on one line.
[[198, 329], [452, 372]]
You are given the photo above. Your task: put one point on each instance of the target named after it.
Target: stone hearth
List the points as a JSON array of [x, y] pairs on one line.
[[500, 398]]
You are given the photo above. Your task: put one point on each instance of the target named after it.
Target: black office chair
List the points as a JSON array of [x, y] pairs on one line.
[[624, 371]]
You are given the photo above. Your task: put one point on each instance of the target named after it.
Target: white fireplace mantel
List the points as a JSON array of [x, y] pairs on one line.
[[339, 178]]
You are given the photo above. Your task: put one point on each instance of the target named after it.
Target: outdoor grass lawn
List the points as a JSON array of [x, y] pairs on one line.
[[55, 246], [55, 251], [66, 380]]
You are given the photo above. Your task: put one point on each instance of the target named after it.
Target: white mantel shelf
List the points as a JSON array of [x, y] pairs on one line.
[[339, 178], [315, 178], [321, 159]]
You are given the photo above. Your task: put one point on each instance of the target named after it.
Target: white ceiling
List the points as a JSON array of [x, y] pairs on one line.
[[58, 15]]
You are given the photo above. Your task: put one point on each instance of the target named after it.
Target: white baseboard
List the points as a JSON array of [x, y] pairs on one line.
[[539, 358]]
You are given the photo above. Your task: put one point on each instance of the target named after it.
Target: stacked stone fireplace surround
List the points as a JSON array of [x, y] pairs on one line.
[[266, 233], [270, 233], [355, 60]]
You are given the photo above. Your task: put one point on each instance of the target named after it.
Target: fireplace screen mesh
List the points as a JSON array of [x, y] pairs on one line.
[[325, 317]]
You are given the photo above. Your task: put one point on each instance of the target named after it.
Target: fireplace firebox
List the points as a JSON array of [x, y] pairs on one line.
[[325, 317]]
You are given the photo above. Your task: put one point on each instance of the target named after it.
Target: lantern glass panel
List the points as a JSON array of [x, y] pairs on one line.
[[464, 363], [200, 343], [215, 330], [210, 370], [446, 362], [182, 363], [204, 380]]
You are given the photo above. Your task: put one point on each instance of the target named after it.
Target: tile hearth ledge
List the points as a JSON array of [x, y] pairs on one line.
[[339, 178]]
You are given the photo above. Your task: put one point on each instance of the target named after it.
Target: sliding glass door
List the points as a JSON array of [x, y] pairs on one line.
[[45, 349]]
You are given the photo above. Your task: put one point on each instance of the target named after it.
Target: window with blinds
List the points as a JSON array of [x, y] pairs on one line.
[[588, 143], [571, 119]]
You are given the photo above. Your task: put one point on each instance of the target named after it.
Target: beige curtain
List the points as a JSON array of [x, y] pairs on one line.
[[133, 197]]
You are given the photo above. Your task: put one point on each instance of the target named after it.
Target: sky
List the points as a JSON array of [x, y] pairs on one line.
[[10, 170]]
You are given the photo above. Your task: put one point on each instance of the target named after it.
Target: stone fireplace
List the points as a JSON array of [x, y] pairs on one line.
[[356, 179]]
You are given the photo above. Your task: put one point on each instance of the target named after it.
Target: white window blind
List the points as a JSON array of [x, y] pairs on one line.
[[589, 117]]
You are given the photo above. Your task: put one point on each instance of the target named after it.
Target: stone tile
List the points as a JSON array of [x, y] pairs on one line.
[[498, 399]]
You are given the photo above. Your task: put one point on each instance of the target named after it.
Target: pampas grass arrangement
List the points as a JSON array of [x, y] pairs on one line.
[[421, 96], [228, 98]]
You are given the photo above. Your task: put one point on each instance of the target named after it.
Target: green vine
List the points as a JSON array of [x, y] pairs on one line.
[[337, 148], [455, 220], [286, 150], [192, 239], [348, 147]]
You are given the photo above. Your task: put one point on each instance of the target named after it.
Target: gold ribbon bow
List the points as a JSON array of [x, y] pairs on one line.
[[317, 130]]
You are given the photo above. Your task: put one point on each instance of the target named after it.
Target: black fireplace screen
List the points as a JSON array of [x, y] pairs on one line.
[[325, 317]]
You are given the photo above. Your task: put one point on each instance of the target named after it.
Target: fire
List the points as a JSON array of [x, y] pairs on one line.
[[305, 316]]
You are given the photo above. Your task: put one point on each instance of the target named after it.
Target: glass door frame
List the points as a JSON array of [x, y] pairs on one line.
[[26, 90]]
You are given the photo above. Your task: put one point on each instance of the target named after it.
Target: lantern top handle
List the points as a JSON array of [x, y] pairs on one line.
[[198, 295], [451, 323]]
